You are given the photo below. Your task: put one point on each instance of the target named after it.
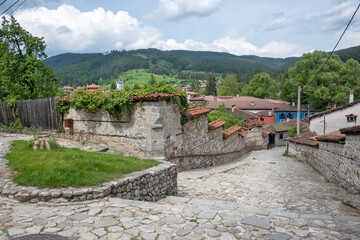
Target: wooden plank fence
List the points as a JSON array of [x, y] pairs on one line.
[[40, 113]]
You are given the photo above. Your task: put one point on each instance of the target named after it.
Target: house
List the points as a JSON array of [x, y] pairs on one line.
[[68, 89], [242, 113], [190, 95], [281, 130], [251, 104], [290, 112], [266, 116], [336, 118]]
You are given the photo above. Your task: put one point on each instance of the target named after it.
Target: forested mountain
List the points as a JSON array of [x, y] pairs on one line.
[[82, 69]]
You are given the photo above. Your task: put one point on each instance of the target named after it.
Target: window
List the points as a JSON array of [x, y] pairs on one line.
[[290, 116], [281, 136], [351, 117], [282, 116], [262, 119]]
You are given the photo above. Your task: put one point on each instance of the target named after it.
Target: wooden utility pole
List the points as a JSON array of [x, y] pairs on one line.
[[298, 112]]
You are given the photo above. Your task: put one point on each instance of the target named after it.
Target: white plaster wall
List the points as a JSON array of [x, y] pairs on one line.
[[334, 120]]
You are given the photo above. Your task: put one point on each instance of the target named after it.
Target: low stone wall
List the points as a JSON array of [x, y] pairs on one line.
[[148, 185], [335, 161]]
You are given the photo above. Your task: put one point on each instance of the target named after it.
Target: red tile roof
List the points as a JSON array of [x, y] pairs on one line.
[[197, 111], [243, 102], [243, 132], [216, 124], [332, 137], [242, 113], [154, 97], [253, 123], [351, 130], [304, 139], [266, 131], [231, 130], [93, 86]]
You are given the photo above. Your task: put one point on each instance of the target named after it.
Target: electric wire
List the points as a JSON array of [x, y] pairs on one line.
[[2, 2], [17, 7], [338, 41], [9, 8]]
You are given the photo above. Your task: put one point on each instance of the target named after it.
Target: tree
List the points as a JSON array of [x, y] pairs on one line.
[[152, 80], [211, 85], [23, 75], [229, 83], [332, 84], [262, 86], [113, 86]]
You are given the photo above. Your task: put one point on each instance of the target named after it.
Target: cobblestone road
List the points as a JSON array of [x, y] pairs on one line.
[[264, 196]]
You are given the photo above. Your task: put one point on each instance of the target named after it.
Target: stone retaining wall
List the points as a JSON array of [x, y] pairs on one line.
[[148, 185], [337, 162], [198, 147]]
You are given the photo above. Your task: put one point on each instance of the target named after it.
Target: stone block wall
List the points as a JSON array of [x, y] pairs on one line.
[[338, 163], [148, 185], [141, 134], [197, 146], [254, 139]]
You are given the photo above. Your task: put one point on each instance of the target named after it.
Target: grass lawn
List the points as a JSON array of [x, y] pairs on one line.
[[64, 167]]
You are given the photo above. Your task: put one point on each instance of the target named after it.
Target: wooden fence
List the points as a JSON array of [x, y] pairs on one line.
[[39, 113]]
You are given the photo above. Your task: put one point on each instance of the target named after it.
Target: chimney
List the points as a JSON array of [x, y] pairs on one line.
[[351, 99], [215, 99], [293, 103], [237, 95], [269, 113], [233, 108]]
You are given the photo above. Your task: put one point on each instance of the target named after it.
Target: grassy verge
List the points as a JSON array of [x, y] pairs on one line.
[[64, 167], [4, 128]]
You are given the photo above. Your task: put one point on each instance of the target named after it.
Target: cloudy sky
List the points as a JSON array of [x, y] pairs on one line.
[[276, 28]]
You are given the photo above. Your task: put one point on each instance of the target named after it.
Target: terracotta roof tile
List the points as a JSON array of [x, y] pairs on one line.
[[304, 139], [242, 113], [196, 111], [355, 129], [154, 97], [266, 131], [216, 124], [332, 137], [253, 123], [243, 132], [231, 130]]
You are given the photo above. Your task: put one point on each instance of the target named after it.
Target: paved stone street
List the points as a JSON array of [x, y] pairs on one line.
[[263, 196]]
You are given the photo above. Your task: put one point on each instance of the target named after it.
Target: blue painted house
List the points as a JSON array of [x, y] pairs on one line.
[[286, 114]]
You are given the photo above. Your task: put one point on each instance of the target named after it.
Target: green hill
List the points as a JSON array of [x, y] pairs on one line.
[[177, 66]]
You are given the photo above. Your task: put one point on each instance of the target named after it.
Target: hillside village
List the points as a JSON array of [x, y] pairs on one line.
[[154, 140]]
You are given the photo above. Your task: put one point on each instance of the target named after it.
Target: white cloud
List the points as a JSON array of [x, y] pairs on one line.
[[68, 29], [278, 23], [179, 9], [235, 46], [336, 18]]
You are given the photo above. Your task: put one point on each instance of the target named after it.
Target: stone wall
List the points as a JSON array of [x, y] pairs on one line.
[[197, 146], [149, 185], [338, 163], [141, 134], [255, 140]]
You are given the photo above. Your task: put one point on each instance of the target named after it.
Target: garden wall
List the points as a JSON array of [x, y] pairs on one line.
[[149, 185], [255, 140], [338, 163], [197, 146]]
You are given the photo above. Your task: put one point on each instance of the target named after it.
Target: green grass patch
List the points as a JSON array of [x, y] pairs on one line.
[[64, 167], [286, 154]]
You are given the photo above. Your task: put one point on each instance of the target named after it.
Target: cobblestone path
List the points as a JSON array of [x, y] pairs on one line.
[[264, 196]]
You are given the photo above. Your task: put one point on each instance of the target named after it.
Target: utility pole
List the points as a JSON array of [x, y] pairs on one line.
[[298, 111]]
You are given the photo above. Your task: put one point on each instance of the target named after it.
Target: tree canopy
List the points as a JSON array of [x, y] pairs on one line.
[[23, 75], [262, 86], [229, 86], [332, 84], [211, 85]]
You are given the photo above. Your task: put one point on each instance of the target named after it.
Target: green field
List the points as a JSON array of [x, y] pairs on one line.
[[141, 76]]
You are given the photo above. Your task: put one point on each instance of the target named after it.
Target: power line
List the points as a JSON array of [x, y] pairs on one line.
[[2, 2], [338, 41], [17, 7], [9, 7]]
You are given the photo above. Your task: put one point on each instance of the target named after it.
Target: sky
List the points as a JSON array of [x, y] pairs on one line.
[[276, 28]]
